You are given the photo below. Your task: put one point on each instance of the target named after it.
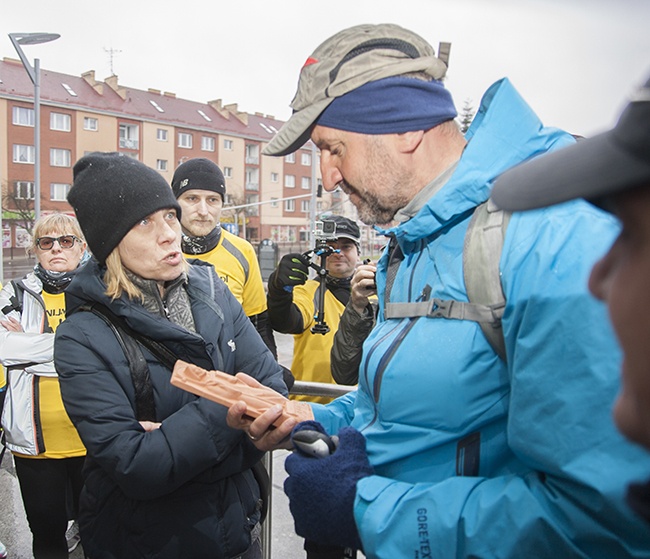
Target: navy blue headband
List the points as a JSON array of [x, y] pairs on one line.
[[390, 106]]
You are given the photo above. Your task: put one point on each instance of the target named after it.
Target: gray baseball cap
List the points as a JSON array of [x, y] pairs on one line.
[[346, 61], [592, 169]]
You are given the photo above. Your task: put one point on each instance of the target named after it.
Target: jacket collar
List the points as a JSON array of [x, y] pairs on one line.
[[504, 133]]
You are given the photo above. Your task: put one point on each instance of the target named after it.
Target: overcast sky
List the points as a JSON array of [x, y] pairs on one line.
[[575, 61]]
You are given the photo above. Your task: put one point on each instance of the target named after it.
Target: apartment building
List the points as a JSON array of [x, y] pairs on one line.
[[271, 197]]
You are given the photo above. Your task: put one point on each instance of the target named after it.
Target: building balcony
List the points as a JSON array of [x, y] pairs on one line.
[[129, 144]]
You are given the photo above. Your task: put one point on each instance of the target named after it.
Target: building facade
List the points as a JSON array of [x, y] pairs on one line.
[[267, 197]]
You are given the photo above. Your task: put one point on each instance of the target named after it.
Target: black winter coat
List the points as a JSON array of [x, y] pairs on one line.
[[185, 489]]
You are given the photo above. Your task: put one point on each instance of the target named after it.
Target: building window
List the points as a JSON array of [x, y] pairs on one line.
[[252, 178], [289, 181], [274, 202], [275, 177], [227, 144], [289, 205], [305, 183], [91, 124], [24, 190], [305, 158], [304, 206], [129, 136], [59, 192], [161, 135], [206, 117], [22, 116], [184, 140], [156, 106], [60, 121], [253, 199], [227, 172], [290, 158], [59, 157], [24, 154], [161, 164], [207, 143], [252, 154]]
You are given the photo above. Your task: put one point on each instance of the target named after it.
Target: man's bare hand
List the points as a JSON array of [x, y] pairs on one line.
[[363, 286]]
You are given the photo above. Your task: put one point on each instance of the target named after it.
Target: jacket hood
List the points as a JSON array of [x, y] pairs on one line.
[[504, 132]]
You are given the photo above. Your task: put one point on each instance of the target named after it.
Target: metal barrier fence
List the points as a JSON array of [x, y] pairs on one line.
[[302, 388]]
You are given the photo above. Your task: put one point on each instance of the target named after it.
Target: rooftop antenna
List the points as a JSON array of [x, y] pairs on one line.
[[111, 54]]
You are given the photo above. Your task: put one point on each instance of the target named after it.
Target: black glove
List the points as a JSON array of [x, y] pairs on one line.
[[292, 270]]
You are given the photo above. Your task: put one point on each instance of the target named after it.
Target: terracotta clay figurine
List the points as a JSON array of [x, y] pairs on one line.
[[227, 389]]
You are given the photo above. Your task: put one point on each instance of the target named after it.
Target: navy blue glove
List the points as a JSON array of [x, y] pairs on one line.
[[292, 270], [321, 491]]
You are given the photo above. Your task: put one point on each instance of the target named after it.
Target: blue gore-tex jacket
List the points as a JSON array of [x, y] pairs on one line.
[[185, 489], [475, 457]]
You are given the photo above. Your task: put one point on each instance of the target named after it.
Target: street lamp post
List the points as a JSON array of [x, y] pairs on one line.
[[34, 74]]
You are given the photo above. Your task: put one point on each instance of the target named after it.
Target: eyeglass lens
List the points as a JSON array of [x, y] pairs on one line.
[[46, 243]]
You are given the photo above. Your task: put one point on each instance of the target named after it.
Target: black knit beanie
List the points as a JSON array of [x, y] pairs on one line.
[[199, 174], [111, 193]]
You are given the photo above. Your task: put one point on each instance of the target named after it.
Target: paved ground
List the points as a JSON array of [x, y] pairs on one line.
[[15, 534]]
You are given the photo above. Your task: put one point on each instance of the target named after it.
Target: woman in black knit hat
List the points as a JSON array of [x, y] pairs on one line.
[[165, 476]]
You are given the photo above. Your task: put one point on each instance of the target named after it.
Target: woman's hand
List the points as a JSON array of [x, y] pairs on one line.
[[11, 324], [150, 425], [261, 431]]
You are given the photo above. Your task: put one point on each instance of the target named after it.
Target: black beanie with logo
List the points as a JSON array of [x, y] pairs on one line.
[[110, 193], [198, 174]]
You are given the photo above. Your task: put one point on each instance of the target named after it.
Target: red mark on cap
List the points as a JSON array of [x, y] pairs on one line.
[[308, 62]]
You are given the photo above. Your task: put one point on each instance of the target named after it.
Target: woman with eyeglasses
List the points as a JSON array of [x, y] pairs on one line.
[[48, 453]]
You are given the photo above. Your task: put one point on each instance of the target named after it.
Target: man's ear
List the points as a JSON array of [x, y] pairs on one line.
[[408, 142]]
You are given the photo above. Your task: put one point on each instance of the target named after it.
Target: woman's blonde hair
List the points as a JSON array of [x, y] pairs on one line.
[[117, 281], [59, 223]]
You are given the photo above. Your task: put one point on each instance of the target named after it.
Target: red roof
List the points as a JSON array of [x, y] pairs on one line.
[[137, 104]]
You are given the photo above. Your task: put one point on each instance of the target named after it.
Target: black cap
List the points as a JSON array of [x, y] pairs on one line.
[[198, 174], [594, 168], [111, 192], [345, 228]]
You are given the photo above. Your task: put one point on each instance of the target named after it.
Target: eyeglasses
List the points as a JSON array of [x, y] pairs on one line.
[[65, 241]]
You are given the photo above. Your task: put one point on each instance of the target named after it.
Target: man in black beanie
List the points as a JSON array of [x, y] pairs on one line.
[[200, 189]]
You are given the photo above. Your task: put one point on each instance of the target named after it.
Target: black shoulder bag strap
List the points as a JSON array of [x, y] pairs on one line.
[[144, 402]]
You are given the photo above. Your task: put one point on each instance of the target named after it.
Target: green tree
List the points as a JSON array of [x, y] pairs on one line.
[[466, 116]]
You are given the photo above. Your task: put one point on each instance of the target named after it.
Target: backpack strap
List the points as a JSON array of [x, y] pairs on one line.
[[16, 300], [481, 256]]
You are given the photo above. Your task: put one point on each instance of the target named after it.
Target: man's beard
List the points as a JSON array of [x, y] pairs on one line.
[[371, 211]]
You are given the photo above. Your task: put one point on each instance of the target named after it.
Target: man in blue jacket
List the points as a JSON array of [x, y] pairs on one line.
[[448, 449]]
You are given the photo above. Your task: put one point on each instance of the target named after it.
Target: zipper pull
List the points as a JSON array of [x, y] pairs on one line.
[[426, 293]]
